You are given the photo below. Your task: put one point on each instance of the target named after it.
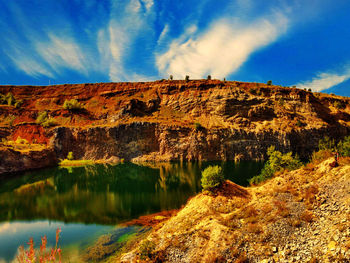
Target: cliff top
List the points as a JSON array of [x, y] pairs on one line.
[[209, 103]]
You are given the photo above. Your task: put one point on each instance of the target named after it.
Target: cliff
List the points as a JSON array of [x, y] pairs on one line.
[[298, 216], [175, 120]]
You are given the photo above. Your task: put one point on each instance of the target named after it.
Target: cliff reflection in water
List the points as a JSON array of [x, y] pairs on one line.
[[104, 194]]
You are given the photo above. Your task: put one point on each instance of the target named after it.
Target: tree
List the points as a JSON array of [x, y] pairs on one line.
[[344, 147], [277, 162], [269, 82], [171, 77], [212, 177], [209, 77], [187, 78]]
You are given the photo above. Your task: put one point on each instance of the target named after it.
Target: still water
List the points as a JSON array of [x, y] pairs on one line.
[[87, 202]]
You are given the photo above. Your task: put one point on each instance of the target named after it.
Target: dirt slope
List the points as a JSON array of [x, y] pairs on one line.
[[299, 216]]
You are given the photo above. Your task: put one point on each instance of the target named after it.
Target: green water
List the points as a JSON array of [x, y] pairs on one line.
[[86, 202]]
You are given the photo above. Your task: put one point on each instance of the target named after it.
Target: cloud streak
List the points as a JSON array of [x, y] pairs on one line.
[[61, 52], [324, 81], [221, 50]]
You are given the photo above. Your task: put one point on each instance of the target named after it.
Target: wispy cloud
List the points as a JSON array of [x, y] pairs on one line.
[[28, 63], [221, 50], [325, 81], [61, 52], [129, 20]]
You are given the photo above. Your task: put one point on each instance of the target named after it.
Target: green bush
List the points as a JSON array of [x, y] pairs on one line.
[[344, 147], [171, 77], [72, 105], [326, 144], [42, 116], [212, 176], [269, 82], [10, 100], [70, 156], [277, 162], [44, 120]]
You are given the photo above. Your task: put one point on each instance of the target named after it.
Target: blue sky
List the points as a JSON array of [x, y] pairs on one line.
[[291, 42]]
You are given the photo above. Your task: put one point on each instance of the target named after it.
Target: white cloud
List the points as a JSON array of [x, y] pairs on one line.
[[61, 52], [324, 81], [221, 50], [129, 20], [27, 62]]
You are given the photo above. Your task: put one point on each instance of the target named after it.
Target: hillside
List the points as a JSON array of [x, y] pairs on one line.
[[298, 216], [167, 120]]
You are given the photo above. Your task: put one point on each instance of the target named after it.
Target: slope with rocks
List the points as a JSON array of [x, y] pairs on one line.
[[298, 216], [174, 120]]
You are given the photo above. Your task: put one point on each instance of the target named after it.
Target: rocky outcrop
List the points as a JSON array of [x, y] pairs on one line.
[[12, 161]]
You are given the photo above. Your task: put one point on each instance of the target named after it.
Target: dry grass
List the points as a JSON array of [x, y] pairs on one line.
[[254, 228], [310, 194], [307, 216], [282, 209]]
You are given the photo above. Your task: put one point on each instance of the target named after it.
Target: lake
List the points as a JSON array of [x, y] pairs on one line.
[[88, 202]]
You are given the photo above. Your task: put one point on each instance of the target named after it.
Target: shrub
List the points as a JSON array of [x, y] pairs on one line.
[[44, 120], [252, 91], [10, 99], [72, 105], [70, 156], [42, 116], [326, 144], [281, 102], [321, 155], [209, 77], [309, 90], [212, 177], [299, 123], [269, 82], [277, 162], [18, 103], [344, 147], [187, 78], [19, 140], [197, 126], [146, 249], [339, 105], [171, 77]]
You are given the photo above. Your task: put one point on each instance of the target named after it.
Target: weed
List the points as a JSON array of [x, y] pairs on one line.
[[32, 255]]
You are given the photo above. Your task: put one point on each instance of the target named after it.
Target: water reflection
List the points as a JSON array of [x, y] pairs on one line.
[[107, 194]]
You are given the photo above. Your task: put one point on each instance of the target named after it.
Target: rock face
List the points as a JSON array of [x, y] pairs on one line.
[[176, 120], [17, 161]]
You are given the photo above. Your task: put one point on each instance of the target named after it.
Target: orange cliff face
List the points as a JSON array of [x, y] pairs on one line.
[[173, 120]]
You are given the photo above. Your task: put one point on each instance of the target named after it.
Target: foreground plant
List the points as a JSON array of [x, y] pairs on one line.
[[33, 255]]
